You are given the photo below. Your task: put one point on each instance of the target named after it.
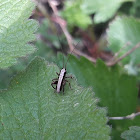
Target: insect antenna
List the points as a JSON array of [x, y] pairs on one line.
[[70, 54], [61, 48]]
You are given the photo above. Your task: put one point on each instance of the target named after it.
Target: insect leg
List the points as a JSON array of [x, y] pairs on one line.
[[57, 73], [68, 77], [68, 83], [63, 85], [63, 89], [54, 79], [54, 83]]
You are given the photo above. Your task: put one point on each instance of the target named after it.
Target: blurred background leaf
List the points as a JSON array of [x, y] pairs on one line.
[[78, 12], [75, 15], [123, 31], [132, 134]]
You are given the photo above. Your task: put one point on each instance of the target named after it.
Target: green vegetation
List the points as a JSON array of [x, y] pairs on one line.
[[105, 89]]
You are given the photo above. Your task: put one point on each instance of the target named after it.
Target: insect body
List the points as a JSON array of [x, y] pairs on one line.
[[60, 81]]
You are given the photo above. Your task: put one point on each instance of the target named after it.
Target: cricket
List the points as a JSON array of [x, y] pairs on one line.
[[59, 83]]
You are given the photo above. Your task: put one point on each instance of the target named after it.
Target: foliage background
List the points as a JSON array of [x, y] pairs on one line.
[[103, 29]]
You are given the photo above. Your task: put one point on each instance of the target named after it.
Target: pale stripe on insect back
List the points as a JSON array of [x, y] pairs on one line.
[[61, 76]]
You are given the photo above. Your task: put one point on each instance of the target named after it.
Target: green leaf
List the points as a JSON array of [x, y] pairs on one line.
[[78, 12], [132, 134], [31, 110], [75, 15], [121, 31], [117, 90], [15, 30], [42, 50], [103, 9], [120, 126], [135, 9]]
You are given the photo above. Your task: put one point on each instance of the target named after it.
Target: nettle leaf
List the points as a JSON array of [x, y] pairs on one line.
[[125, 30], [116, 90], [42, 50], [75, 15], [31, 110], [132, 134], [78, 12], [103, 9], [15, 30]]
